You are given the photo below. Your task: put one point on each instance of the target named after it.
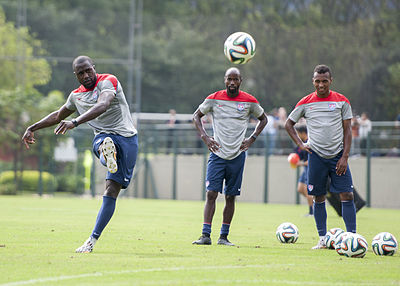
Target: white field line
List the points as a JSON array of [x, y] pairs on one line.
[[176, 269]]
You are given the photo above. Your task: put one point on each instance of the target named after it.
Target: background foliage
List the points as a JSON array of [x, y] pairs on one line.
[[182, 56]]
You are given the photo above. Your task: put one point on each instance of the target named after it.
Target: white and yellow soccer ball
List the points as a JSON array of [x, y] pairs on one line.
[[330, 237], [354, 245], [239, 48], [287, 233], [384, 243]]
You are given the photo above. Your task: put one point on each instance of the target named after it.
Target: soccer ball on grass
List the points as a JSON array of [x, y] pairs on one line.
[[354, 245], [338, 241], [331, 235], [287, 233], [384, 243], [239, 48]]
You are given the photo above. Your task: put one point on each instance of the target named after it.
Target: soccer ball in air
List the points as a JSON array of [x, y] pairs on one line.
[[287, 233], [384, 243], [330, 237], [354, 245], [338, 241], [239, 48]]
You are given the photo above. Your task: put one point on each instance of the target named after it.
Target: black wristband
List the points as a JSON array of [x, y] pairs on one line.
[[74, 122], [254, 137]]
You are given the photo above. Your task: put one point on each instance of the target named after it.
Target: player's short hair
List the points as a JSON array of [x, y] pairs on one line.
[[322, 69], [301, 129], [81, 59]]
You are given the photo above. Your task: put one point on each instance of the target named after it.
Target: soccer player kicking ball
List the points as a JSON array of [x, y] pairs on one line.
[[101, 103], [231, 110], [328, 115]]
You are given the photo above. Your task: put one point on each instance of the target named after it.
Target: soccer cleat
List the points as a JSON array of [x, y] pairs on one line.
[[321, 244], [224, 241], [203, 240], [110, 154], [87, 246]]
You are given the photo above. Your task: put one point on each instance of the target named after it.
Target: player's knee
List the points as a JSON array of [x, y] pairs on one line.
[[230, 199], [212, 195], [319, 199], [346, 196]]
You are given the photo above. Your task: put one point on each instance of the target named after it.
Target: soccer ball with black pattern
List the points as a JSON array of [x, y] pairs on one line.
[[384, 243], [239, 48], [331, 235], [287, 233], [354, 245], [339, 240]]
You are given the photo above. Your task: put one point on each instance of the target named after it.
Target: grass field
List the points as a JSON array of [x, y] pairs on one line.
[[148, 242]]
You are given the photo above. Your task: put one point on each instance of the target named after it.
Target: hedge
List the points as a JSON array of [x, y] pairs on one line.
[[29, 182]]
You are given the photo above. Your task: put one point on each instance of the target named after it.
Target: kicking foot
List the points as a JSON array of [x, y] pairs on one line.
[[203, 240], [224, 241], [110, 154], [87, 246], [321, 244]]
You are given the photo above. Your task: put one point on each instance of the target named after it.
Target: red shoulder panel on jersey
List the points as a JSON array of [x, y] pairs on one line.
[[242, 97], [312, 97], [100, 77], [110, 77]]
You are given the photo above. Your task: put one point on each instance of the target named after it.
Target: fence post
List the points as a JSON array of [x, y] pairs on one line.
[[266, 154], [174, 164], [368, 176], [297, 180], [93, 176], [40, 183], [205, 155]]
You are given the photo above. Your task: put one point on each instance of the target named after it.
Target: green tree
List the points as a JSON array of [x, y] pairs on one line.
[[20, 72]]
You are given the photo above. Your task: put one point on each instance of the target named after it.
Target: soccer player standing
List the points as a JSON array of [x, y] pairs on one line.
[[100, 101], [231, 110], [328, 115]]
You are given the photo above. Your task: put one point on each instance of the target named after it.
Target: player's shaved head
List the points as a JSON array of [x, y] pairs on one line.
[[81, 59], [232, 71]]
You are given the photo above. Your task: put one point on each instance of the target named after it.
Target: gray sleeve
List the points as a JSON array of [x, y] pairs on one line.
[[206, 106], [297, 113], [256, 110], [346, 111], [70, 104], [106, 85]]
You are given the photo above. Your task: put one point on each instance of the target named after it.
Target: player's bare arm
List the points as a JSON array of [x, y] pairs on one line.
[[50, 120], [212, 145], [99, 108], [341, 166], [247, 142], [289, 126]]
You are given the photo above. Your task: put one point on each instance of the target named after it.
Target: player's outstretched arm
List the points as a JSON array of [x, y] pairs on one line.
[[50, 120]]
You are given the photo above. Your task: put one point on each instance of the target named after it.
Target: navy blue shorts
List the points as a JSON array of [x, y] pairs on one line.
[[230, 171], [318, 171], [127, 149], [303, 176]]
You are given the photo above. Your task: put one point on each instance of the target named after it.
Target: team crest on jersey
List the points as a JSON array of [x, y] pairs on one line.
[[240, 106], [332, 106], [310, 188]]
